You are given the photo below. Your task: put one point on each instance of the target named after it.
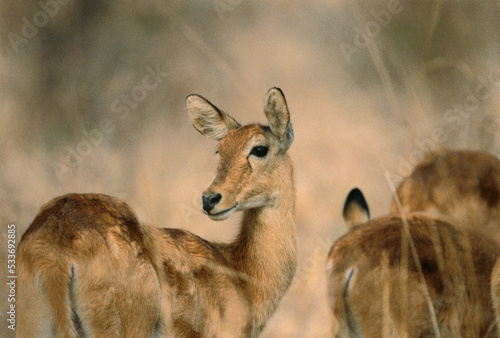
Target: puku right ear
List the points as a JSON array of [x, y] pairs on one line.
[[207, 119], [276, 110], [356, 211]]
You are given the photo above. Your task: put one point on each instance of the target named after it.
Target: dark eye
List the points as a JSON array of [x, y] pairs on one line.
[[259, 151]]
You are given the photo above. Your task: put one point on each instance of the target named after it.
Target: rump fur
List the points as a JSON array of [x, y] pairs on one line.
[[69, 285]]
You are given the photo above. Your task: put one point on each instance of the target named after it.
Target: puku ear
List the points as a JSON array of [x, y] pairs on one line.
[[207, 119], [278, 116], [356, 211]]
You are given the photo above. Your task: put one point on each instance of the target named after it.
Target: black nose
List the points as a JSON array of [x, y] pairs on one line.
[[210, 201]]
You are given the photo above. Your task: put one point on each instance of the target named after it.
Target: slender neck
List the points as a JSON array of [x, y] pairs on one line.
[[265, 251]]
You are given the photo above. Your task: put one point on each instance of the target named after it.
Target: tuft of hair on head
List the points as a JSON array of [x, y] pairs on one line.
[[356, 211]]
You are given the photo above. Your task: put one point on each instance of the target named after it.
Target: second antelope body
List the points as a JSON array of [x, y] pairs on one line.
[[87, 267], [410, 275]]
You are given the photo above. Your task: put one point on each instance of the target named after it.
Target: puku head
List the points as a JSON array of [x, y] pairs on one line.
[[253, 161]]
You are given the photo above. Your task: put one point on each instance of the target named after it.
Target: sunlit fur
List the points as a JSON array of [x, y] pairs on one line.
[[87, 267], [375, 284]]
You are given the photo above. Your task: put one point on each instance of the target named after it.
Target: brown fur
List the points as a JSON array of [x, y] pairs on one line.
[[68, 276], [385, 294], [462, 184], [495, 291], [87, 267]]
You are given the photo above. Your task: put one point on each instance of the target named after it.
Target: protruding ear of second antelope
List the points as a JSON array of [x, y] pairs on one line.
[[87, 267], [356, 209], [464, 185], [415, 276]]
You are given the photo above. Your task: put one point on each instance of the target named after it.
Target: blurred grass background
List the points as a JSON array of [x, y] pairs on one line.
[[370, 86]]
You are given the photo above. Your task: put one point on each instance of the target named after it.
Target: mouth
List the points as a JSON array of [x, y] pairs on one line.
[[222, 215]]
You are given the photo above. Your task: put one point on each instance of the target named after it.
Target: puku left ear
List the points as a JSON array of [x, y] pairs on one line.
[[278, 116], [356, 211], [207, 119]]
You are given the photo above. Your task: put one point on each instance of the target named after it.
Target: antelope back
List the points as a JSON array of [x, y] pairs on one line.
[[464, 185], [386, 281], [84, 267]]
